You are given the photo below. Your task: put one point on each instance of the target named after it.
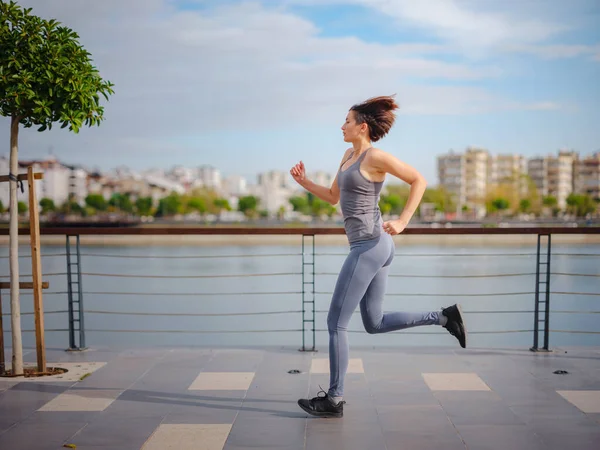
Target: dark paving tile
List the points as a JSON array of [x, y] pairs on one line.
[[232, 360], [412, 417], [39, 435], [572, 434], [24, 399], [343, 434], [422, 439], [116, 432], [495, 437], [280, 433], [120, 373], [537, 412], [477, 408]]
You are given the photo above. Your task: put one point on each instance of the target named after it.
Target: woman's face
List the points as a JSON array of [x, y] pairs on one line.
[[352, 130]]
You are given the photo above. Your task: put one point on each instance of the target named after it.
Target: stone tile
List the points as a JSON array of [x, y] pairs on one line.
[[568, 433], [455, 382], [424, 439], [586, 401], [81, 400], [188, 437], [75, 371], [42, 436], [321, 365], [412, 417], [334, 434], [116, 432], [222, 381], [477, 408], [284, 433], [496, 437]]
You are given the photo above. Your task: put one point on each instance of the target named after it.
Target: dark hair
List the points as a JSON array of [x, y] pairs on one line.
[[378, 114]]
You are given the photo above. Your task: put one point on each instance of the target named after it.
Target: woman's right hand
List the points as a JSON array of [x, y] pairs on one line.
[[298, 172]]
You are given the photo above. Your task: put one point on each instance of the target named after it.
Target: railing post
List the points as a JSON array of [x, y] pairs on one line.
[[70, 296], [547, 316], [80, 313], [312, 301], [546, 302], [537, 297]]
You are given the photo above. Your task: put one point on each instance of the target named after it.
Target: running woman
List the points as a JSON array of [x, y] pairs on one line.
[[363, 276]]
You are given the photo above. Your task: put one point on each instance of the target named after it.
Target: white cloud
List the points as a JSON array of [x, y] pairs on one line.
[[245, 66]]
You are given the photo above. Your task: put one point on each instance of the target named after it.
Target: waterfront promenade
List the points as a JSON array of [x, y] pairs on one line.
[[228, 398]]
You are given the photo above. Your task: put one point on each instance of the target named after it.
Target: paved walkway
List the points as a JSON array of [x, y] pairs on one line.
[[195, 398]]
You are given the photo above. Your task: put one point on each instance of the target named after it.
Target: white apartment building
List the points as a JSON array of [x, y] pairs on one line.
[[465, 177], [58, 184], [235, 185], [451, 175], [273, 190], [553, 175], [586, 175], [210, 177]]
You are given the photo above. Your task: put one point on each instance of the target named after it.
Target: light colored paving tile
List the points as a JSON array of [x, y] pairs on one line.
[[455, 382], [321, 365], [75, 371], [586, 401], [222, 381], [81, 400], [188, 437]]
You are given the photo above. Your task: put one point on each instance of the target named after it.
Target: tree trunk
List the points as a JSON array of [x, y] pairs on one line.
[[15, 307]]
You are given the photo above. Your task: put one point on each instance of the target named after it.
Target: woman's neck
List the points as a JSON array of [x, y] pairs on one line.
[[361, 146]]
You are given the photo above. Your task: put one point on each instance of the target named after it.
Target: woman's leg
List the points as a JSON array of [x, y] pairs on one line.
[[361, 265], [375, 321]]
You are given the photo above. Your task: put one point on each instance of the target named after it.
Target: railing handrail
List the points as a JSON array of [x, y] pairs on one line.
[[306, 231]]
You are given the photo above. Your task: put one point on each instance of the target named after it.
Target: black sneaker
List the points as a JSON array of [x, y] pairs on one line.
[[322, 406], [456, 324]]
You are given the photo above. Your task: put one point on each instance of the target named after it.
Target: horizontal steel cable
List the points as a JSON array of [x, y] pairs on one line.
[[436, 254], [46, 330], [26, 275], [32, 313], [572, 312], [597, 275], [446, 276], [464, 312], [119, 275], [574, 293], [442, 332], [447, 295], [261, 255], [575, 332], [171, 294], [190, 314], [575, 254], [191, 331], [48, 255]]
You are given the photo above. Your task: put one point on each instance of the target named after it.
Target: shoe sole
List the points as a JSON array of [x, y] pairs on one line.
[[462, 321], [321, 414]]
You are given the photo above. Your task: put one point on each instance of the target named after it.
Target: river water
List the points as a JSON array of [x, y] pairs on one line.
[[213, 294]]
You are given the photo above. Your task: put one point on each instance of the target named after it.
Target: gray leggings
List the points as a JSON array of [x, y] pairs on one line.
[[363, 280]]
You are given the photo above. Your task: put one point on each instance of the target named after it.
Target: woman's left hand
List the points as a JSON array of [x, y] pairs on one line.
[[393, 227]]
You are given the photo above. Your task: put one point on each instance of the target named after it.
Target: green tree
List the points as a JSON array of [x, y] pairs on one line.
[[22, 207], [580, 205], [122, 202], [169, 205], [248, 205], [525, 205], [46, 76], [196, 204], [550, 201], [47, 205], [96, 201], [222, 204], [299, 204], [1, 207], [143, 206]]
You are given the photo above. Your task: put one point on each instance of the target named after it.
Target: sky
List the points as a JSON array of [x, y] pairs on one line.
[[253, 86]]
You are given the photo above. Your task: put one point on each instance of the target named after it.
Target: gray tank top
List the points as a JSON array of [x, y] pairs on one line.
[[359, 201]]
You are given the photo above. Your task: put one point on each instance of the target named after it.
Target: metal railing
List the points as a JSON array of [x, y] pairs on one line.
[[540, 295]]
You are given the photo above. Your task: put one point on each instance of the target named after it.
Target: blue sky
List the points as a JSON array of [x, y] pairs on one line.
[[255, 86]]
